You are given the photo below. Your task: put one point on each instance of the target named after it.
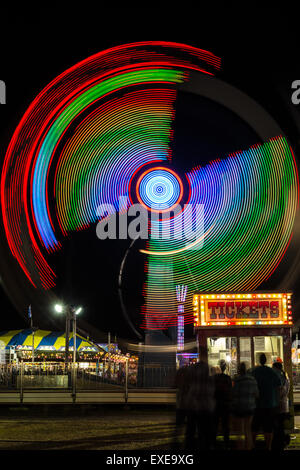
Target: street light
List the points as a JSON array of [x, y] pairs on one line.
[[75, 311], [61, 309], [69, 311], [58, 308]]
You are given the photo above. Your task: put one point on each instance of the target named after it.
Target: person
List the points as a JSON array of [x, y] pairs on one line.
[[268, 383], [200, 406], [215, 370], [182, 384], [244, 396], [280, 440], [223, 388]]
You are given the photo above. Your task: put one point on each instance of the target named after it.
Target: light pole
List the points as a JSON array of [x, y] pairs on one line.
[[60, 309], [69, 311], [32, 331], [75, 312]]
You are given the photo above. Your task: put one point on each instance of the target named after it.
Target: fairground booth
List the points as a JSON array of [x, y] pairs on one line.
[[238, 327]]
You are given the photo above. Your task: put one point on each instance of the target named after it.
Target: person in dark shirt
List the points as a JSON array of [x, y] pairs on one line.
[[268, 383], [280, 438], [244, 397], [182, 383], [223, 390], [201, 404]]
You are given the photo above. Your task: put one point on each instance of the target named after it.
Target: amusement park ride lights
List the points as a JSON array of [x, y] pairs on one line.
[[104, 129], [242, 309], [181, 297]]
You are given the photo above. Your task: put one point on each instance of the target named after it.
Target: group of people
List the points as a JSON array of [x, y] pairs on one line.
[[256, 399]]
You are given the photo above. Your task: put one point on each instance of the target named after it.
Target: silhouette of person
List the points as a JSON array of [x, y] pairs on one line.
[[244, 396], [223, 389], [201, 406], [280, 439], [268, 383], [215, 370], [182, 382]]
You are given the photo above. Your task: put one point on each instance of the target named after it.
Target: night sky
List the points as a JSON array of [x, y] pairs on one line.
[[259, 56]]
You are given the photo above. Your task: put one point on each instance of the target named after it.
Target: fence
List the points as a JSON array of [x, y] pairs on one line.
[[61, 376], [26, 377]]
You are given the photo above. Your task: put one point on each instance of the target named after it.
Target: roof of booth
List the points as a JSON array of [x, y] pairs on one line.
[[45, 340]]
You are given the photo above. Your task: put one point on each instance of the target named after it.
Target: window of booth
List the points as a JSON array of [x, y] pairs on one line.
[[272, 346], [223, 348], [245, 352], [226, 348]]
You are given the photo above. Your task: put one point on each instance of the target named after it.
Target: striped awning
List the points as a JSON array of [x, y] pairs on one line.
[[45, 340]]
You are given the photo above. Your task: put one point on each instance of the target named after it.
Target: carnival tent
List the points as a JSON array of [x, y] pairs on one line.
[[45, 340]]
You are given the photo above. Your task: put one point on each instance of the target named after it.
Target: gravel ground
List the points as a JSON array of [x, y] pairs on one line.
[[122, 430], [104, 429]]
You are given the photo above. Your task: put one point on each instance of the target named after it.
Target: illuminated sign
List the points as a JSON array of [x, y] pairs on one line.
[[242, 309]]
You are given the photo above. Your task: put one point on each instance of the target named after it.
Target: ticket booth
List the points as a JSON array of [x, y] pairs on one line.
[[238, 327]]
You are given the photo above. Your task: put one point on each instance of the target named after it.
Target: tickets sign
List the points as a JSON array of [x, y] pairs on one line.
[[241, 309]]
